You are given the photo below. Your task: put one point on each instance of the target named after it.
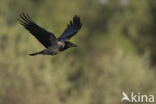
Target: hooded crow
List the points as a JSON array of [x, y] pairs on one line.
[[52, 44]]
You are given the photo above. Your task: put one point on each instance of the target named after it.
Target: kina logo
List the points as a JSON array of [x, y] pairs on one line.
[[137, 97]]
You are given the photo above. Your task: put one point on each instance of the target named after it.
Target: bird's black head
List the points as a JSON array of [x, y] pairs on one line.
[[68, 45]]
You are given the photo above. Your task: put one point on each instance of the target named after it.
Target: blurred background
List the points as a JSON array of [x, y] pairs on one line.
[[116, 52]]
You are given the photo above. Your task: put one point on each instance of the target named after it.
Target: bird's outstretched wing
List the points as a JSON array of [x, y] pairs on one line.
[[43, 36], [72, 28]]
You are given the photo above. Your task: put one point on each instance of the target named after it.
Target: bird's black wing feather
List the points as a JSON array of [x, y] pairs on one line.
[[43, 36], [72, 28]]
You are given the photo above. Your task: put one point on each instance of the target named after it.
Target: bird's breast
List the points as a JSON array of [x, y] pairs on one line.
[[55, 50], [52, 50]]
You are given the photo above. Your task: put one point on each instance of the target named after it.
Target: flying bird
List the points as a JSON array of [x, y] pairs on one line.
[[52, 44]]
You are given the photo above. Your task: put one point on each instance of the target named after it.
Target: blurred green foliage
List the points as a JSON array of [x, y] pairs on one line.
[[116, 53]]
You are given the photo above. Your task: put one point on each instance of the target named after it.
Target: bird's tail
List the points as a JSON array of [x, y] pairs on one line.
[[33, 54]]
